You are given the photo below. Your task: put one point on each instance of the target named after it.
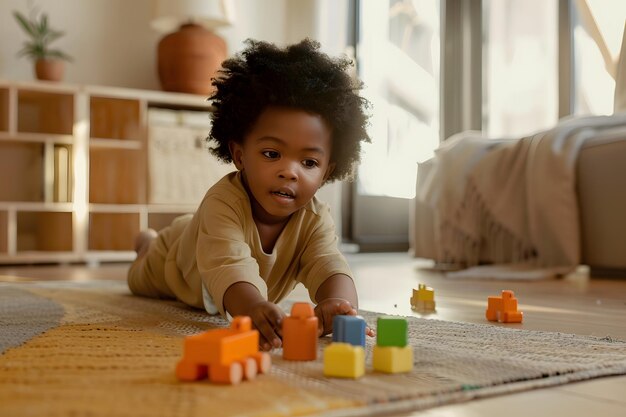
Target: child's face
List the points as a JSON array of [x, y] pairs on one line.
[[284, 160]]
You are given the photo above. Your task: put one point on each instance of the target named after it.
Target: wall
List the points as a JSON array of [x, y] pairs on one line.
[[112, 42]]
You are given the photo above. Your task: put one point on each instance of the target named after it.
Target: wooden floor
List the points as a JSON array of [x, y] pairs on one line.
[[576, 304]]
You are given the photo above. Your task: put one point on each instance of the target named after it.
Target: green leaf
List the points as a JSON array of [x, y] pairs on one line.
[[59, 54], [54, 35], [25, 24], [43, 26], [41, 34], [31, 51]]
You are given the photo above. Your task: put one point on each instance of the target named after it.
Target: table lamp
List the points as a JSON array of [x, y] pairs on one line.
[[190, 54]]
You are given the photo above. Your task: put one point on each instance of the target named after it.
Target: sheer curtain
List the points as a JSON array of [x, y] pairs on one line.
[[398, 54], [520, 51], [520, 66], [598, 32]]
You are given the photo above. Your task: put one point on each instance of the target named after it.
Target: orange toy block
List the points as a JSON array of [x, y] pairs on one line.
[[223, 355], [300, 334], [503, 309]]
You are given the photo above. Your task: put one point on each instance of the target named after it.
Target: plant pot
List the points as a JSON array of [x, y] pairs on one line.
[[49, 69], [189, 58]]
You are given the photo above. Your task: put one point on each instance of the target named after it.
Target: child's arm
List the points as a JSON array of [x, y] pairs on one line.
[[336, 295], [338, 286], [244, 299]]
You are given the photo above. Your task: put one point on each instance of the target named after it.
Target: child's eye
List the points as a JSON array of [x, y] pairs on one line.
[[271, 154], [310, 163]]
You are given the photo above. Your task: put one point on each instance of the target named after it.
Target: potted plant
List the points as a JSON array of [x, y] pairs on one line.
[[49, 63]]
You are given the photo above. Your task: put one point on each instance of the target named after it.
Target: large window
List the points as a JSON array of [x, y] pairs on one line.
[[598, 29], [509, 68], [398, 55], [520, 67], [521, 52]]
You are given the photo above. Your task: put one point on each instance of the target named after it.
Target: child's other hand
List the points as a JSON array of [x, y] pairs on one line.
[[267, 318], [327, 309]]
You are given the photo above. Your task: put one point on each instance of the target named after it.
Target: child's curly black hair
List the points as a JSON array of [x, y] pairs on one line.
[[298, 76]]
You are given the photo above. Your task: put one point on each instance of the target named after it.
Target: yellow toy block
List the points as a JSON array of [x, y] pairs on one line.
[[393, 359], [344, 360], [423, 298]]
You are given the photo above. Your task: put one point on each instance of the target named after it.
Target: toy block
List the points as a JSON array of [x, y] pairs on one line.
[[349, 329], [423, 298], [391, 331], [223, 355], [393, 359], [300, 334], [344, 360], [503, 308]]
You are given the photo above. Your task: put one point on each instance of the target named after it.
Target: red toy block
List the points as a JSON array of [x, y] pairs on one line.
[[223, 355], [300, 334], [503, 309]]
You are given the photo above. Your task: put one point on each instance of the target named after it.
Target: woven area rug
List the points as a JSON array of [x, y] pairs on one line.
[[93, 349]]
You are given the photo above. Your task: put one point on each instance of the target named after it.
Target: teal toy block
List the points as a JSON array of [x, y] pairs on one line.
[[349, 329], [391, 331]]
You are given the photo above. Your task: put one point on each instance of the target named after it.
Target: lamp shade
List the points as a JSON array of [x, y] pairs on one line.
[[190, 55], [170, 14]]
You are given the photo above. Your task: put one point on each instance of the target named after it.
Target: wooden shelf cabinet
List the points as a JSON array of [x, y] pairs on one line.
[[75, 172], [43, 112], [22, 171], [4, 110], [44, 231], [115, 118], [4, 222]]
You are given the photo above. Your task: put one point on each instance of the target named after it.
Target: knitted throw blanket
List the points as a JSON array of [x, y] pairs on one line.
[[511, 203]]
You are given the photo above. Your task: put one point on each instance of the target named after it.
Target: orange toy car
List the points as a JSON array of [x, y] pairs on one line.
[[224, 355], [503, 309]]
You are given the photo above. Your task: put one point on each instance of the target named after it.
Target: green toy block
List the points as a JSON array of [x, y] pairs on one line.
[[391, 331]]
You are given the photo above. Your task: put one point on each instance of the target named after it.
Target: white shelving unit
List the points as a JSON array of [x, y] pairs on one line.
[[74, 171]]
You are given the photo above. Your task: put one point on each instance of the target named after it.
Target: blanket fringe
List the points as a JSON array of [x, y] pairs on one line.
[[474, 237]]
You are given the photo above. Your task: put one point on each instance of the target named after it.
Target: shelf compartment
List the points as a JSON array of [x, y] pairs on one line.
[[63, 184], [115, 118], [4, 232], [4, 109], [113, 231], [115, 143], [22, 171], [45, 112], [116, 176], [44, 231]]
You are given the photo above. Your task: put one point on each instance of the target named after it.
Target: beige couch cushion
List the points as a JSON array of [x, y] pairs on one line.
[[601, 185]]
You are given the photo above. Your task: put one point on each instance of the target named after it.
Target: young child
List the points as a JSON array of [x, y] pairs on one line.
[[291, 120]]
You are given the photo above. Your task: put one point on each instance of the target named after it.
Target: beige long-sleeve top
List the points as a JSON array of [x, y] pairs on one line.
[[221, 246]]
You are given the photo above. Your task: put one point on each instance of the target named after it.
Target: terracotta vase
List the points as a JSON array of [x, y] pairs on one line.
[[189, 58], [49, 69]]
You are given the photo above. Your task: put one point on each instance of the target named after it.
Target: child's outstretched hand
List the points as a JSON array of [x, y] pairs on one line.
[[327, 309], [267, 318]]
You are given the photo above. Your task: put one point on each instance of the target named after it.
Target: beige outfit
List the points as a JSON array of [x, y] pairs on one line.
[[198, 257]]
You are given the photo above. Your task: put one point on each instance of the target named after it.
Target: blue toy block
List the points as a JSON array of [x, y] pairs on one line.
[[349, 329]]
